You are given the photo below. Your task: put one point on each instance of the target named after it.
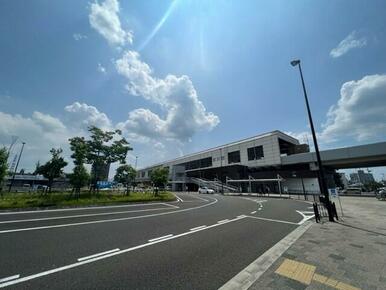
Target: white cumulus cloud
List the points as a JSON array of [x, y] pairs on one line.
[[101, 68], [360, 111], [104, 19], [81, 115], [185, 113], [350, 42]]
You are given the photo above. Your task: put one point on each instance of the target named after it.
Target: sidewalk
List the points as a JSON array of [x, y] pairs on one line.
[[347, 255]]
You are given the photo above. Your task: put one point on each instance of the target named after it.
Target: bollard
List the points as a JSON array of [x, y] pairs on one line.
[[335, 213], [316, 211]]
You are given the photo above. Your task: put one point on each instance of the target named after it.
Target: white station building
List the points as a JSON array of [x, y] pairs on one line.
[[270, 162]]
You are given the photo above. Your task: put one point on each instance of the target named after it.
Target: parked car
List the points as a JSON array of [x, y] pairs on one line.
[[381, 193], [204, 189]]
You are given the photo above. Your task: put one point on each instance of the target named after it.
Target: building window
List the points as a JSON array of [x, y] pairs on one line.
[[234, 157], [255, 153], [143, 174]]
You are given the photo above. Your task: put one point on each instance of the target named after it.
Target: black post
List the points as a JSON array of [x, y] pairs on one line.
[[17, 164], [323, 187]]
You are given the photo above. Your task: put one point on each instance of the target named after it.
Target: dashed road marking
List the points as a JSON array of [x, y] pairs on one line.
[[161, 238], [9, 278], [88, 261], [253, 212], [97, 255], [223, 221], [198, 228]]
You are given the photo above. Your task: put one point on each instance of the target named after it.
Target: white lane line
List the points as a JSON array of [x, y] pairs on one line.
[[108, 220], [198, 197], [171, 205], [253, 212], [97, 255], [223, 221], [160, 238], [259, 208], [82, 215], [9, 278], [178, 198], [250, 274], [272, 220], [305, 217], [198, 228], [241, 216], [70, 266], [255, 200], [79, 208]]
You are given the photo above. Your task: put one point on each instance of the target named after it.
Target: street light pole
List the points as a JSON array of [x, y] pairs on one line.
[[17, 164], [323, 186], [136, 159]]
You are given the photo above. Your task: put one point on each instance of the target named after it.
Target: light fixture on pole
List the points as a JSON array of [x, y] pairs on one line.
[[322, 183]]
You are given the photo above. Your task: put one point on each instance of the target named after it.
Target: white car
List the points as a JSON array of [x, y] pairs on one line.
[[205, 190]]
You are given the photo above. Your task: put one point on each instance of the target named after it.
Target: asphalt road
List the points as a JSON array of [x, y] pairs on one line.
[[206, 240]]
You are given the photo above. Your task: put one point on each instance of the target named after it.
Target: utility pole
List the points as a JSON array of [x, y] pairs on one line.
[[17, 164]]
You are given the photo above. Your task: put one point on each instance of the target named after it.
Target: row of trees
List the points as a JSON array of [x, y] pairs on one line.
[[101, 148]]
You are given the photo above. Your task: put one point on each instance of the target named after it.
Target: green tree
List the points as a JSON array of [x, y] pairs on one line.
[[53, 168], [159, 177], [105, 147], [125, 174], [79, 178], [3, 167]]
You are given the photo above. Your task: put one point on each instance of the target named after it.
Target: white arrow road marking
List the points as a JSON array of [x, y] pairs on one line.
[[306, 216]]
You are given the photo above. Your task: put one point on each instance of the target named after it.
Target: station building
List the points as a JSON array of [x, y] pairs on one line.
[[270, 162]]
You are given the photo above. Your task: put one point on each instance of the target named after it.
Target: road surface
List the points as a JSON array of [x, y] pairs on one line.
[[196, 242]]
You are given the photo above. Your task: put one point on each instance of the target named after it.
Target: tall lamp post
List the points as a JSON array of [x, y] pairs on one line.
[[323, 186], [17, 164]]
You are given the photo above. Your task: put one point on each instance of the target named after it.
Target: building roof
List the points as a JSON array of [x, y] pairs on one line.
[[276, 132]]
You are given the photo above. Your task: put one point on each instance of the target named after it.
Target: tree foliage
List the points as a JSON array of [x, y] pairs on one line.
[[125, 174], [103, 147], [159, 177], [79, 178], [3, 165], [53, 168]]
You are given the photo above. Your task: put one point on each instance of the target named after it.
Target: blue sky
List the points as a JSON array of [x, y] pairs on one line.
[[69, 64]]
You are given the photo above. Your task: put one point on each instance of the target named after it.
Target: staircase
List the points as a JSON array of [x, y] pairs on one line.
[[216, 184]]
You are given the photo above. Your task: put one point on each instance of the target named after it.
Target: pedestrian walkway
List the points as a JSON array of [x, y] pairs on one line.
[[348, 255]]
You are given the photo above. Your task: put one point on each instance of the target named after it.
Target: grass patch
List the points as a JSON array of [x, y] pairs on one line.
[[66, 199]]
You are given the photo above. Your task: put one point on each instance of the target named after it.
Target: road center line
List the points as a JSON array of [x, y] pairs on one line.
[[70, 266], [9, 278], [108, 220], [161, 238], [223, 221], [253, 212], [98, 254], [82, 215], [198, 228]]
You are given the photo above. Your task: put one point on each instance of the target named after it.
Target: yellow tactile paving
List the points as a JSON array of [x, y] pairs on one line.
[[331, 282], [297, 271], [344, 286], [319, 278], [305, 273]]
